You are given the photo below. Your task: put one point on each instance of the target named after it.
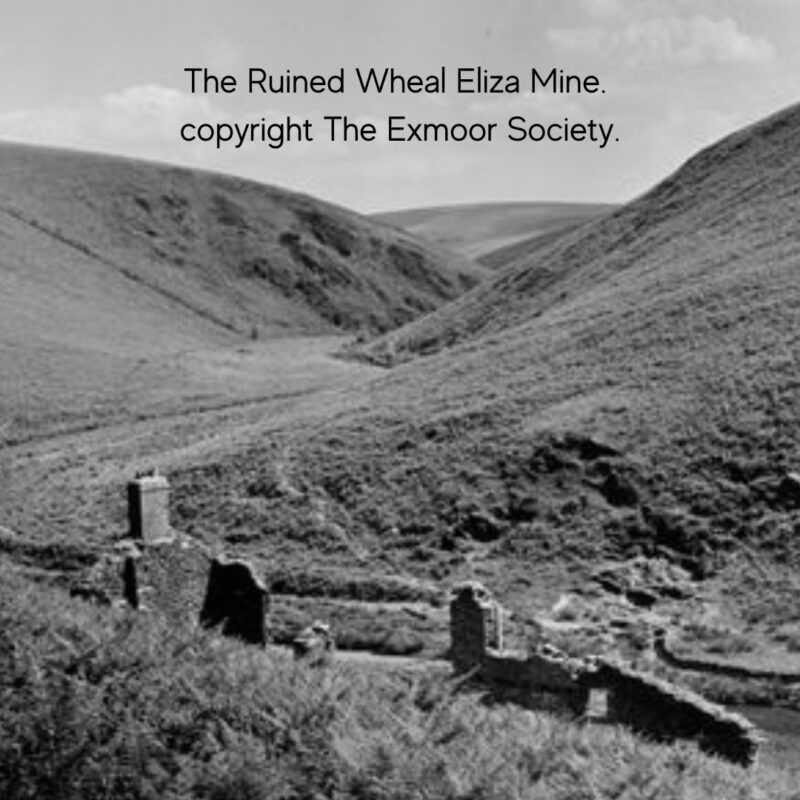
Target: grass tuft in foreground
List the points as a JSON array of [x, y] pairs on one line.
[[98, 704]]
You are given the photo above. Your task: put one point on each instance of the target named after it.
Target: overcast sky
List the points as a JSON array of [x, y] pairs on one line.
[[108, 75]]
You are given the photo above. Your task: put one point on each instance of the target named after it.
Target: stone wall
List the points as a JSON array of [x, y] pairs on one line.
[[536, 672], [475, 625], [167, 578], [476, 631], [104, 581], [663, 650], [663, 711], [158, 570], [236, 600], [644, 703]]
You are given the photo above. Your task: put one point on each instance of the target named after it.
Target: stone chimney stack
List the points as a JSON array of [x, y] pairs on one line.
[[475, 625], [148, 508]]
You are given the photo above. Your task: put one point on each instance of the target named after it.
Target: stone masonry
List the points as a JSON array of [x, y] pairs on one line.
[[648, 705], [148, 508], [236, 600], [663, 711], [475, 625], [161, 571], [167, 578]]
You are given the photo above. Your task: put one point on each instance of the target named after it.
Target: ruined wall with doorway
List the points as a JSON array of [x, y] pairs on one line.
[[639, 701]]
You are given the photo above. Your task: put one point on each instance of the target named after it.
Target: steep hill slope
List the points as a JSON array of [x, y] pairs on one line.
[[607, 442], [633, 392], [111, 269], [476, 230], [724, 222], [627, 402], [232, 252]]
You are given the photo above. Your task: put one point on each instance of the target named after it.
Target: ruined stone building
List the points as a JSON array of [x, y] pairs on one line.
[[652, 707], [159, 570]]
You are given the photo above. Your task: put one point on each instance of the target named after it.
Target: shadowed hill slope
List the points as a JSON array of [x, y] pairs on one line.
[[477, 230], [228, 251]]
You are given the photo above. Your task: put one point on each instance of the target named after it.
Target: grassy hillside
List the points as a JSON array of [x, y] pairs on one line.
[[476, 230], [229, 251], [721, 224], [603, 435], [111, 270], [633, 393]]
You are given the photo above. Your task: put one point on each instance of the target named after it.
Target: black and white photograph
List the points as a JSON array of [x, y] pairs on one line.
[[399, 400]]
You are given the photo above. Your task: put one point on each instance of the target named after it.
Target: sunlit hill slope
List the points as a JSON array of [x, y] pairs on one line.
[[667, 333], [108, 265]]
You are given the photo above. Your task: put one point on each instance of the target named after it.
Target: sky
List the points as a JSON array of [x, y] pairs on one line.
[[109, 76]]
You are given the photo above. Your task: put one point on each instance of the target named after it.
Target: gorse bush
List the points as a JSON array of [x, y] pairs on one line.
[[138, 710], [108, 704]]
